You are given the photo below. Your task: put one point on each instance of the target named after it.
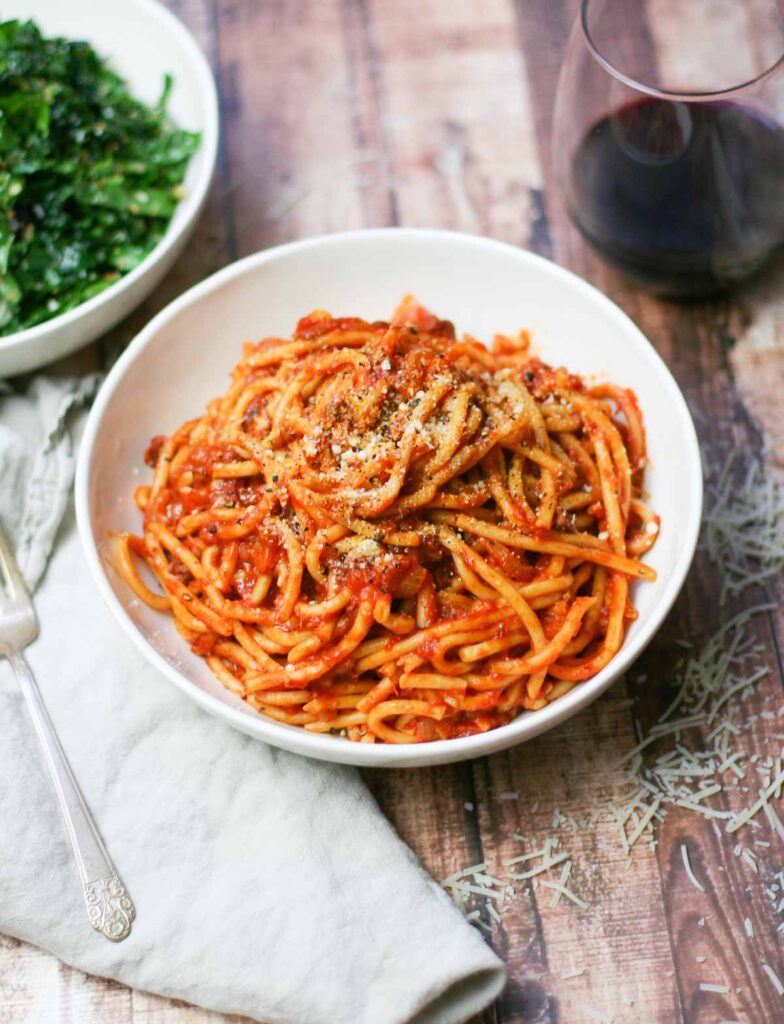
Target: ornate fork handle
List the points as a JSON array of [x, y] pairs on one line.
[[109, 908]]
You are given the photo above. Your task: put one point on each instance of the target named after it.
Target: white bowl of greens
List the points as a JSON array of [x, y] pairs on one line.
[[89, 225]]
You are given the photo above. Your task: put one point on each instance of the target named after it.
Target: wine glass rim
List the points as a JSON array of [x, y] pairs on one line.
[[666, 94]]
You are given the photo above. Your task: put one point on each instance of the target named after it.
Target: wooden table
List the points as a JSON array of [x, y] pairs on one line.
[[343, 114]]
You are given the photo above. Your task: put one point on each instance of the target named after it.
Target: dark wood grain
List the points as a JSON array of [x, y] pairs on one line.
[[340, 114]]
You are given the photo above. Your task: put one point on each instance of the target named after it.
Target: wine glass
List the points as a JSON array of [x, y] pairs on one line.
[[668, 139]]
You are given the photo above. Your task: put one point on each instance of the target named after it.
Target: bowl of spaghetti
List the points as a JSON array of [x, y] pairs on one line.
[[383, 530]]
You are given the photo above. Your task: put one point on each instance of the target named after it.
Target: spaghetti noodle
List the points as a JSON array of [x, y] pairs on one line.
[[389, 533]]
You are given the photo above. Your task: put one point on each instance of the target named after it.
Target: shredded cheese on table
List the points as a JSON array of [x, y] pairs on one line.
[[687, 865], [744, 527], [774, 979]]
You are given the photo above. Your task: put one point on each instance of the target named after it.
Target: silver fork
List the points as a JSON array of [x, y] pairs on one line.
[[109, 908]]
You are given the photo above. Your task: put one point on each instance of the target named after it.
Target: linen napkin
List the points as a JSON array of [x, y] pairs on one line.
[[265, 884]]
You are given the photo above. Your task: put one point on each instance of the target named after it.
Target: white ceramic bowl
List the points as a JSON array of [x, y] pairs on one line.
[[183, 358], [143, 42]]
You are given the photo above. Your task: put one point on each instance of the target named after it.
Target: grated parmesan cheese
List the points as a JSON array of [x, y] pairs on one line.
[[744, 528], [774, 978], [687, 865]]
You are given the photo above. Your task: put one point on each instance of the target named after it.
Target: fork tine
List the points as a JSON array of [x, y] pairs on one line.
[[10, 576]]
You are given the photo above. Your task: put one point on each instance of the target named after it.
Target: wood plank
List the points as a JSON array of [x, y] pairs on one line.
[[756, 358], [299, 160], [28, 982], [36, 987], [367, 111], [456, 119], [149, 1009]]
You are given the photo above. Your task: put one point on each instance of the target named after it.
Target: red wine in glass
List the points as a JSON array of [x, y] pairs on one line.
[[686, 198]]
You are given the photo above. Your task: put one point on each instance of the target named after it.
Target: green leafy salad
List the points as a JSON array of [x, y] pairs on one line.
[[89, 176]]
